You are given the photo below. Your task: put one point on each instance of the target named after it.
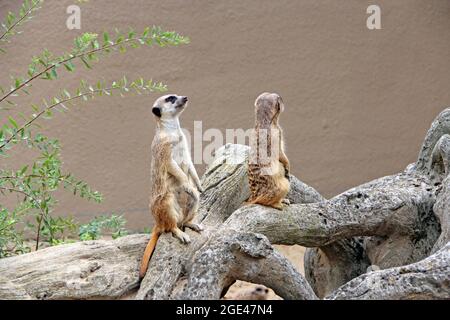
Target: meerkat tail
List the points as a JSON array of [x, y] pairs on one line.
[[148, 253]]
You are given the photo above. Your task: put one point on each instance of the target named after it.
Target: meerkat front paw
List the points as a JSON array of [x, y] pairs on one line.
[[286, 202], [182, 236], [287, 172], [198, 184], [194, 226], [189, 190]]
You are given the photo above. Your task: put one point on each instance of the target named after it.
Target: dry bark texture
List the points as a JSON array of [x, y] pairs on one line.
[[399, 224], [83, 270]]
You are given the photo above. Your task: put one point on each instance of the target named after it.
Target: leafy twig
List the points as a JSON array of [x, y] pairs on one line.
[[24, 15], [140, 84], [162, 38]]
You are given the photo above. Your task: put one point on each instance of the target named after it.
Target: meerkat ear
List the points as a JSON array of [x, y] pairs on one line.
[[157, 112], [280, 104]]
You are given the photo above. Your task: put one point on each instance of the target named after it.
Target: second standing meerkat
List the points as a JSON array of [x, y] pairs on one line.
[[175, 185], [268, 167]]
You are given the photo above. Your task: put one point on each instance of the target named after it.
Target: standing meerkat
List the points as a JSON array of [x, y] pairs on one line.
[[176, 187], [268, 167]]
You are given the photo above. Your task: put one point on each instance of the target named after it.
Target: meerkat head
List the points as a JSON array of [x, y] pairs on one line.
[[268, 107], [169, 106], [260, 293]]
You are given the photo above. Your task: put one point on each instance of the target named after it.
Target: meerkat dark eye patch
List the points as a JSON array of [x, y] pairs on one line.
[[157, 112], [171, 99]]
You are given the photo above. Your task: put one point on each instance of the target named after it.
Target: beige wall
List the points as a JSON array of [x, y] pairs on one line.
[[358, 102]]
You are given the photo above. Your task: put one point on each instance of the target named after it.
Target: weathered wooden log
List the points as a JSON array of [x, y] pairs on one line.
[[442, 211], [245, 256], [330, 266], [426, 279], [226, 189], [389, 222], [416, 225], [394, 214], [83, 270]]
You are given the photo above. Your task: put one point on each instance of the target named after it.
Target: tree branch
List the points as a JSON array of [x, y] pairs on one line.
[[159, 38], [83, 270], [19, 21], [380, 208], [91, 93], [426, 279], [439, 128], [243, 256], [394, 215]]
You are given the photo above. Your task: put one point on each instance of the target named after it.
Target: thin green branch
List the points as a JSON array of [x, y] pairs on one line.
[[91, 92], [60, 179], [19, 21], [7, 226], [43, 111], [41, 216], [19, 191], [51, 66], [70, 58]]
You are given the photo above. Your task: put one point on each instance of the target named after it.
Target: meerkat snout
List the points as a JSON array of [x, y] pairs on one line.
[[169, 106]]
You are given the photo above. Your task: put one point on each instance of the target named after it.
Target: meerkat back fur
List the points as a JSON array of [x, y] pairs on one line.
[[268, 167], [175, 185]]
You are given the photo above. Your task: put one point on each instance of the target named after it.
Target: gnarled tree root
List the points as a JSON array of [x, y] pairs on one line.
[[397, 223]]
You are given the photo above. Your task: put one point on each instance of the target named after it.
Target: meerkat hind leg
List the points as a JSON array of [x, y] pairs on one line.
[[190, 213], [194, 226], [278, 205], [180, 235]]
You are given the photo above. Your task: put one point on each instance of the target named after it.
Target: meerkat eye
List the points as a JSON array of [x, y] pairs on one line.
[[156, 111], [258, 289], [171, 99]]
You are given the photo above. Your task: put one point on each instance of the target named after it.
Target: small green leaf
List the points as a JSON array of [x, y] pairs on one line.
[[23, 170], [53, 73], [69, 66], [13, 122], [85, 62], [146, 32], [48, 114], [106, 37], [31, 69]]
